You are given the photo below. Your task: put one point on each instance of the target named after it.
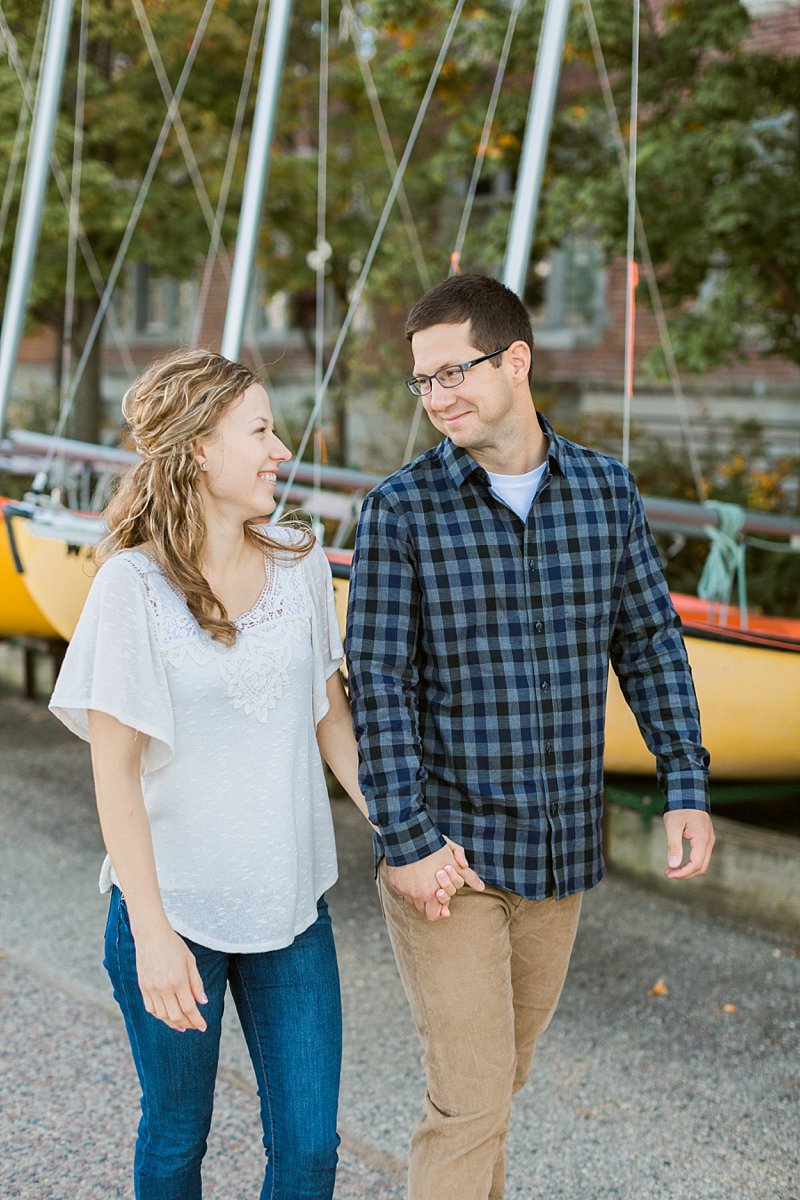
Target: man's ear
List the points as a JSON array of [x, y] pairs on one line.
[[519, 356]]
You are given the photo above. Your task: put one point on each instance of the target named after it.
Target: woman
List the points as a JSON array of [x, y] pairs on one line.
[[204, 673]]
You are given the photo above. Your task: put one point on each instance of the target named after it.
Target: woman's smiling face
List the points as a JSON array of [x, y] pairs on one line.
[[242, 458]]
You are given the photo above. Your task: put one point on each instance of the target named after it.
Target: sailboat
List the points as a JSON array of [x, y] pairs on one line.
[[744, 666]]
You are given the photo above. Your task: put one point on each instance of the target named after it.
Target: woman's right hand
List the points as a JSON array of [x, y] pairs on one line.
[[169, 980]]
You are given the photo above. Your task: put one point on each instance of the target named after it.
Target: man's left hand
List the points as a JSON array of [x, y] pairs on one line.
[[693, 826]]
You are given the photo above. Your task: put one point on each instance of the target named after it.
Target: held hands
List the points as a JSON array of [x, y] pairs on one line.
[[169, 981], [693, 826], [430, 883]]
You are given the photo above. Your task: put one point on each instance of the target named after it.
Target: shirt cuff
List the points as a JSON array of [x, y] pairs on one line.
[[686, 792], [409, 841]]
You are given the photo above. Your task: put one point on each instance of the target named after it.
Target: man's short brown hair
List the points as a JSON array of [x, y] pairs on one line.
[[496, 315]]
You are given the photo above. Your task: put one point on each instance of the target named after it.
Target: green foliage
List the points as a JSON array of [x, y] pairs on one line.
[[718, 175]]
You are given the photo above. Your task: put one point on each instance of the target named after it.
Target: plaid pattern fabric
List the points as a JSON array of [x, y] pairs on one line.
[[479, 649]]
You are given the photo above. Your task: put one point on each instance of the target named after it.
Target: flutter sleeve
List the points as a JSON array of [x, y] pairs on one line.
[[326, 639], [113, 665]]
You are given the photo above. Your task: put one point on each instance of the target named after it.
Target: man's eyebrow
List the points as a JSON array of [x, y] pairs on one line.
[[444, 367]]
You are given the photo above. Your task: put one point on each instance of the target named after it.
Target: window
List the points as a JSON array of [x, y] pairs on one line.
[[566, 295], [155, 305]]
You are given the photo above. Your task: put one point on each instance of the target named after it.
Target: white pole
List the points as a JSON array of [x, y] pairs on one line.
[[33, 191], [534, 149], [255, 176]]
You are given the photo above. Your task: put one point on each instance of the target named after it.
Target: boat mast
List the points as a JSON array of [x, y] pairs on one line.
[[534, 149], [33, 192], [255, 176]]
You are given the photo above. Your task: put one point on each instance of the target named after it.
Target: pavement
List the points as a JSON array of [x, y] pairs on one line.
[[671, 1070]]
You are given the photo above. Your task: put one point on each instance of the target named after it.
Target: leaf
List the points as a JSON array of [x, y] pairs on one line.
[[659, 988]]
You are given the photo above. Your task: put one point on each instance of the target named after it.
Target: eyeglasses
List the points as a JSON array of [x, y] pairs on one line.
[[448, 377]]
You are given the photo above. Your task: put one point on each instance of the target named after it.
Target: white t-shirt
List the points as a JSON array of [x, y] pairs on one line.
[[517, 490], [232, 776]]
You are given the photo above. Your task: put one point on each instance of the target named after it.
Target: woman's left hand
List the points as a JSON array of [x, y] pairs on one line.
[[449, 881]]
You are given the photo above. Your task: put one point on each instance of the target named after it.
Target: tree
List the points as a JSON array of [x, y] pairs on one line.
[[123, 114], [718, 173]]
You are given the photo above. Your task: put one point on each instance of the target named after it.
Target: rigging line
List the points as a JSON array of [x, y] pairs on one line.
[[134, 216], [358, 289], [180, 129], [25, 109], [75, 188], [630, 267], [483, 144], [665, 337], [227, 174], [413, 431], [63, 188], [389, 155], [322, 247]]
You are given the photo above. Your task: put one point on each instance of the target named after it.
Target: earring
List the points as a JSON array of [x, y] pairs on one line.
[[203, 466]]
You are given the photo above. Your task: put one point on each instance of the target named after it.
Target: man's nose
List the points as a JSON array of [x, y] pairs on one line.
[[440, 398]]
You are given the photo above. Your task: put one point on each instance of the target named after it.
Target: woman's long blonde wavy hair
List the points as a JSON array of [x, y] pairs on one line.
[[172, 407]]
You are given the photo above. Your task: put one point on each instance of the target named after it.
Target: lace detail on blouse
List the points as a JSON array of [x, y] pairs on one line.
[[256, 669]]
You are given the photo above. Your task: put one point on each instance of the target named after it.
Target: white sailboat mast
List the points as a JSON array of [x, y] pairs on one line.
[[33, 192], [534, 148], [255, 176]]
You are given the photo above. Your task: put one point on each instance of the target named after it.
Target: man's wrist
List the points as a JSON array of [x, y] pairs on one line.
[[409, 841]]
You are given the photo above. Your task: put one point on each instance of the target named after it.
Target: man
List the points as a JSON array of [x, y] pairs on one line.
[[494, 579]]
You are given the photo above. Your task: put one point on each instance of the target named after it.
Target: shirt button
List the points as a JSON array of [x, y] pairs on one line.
[[553, 810], [545, 685], [532, 565], [548, 748], [538, 627]]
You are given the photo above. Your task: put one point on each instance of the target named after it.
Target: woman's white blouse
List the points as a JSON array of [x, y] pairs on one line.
[[231, 773]]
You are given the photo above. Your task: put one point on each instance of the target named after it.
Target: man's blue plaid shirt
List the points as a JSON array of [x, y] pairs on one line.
[[478, 652]]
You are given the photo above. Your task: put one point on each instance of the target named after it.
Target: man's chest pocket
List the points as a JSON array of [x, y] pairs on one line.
[[580, 588]]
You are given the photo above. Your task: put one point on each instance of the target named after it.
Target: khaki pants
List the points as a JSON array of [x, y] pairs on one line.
[[482, 985]]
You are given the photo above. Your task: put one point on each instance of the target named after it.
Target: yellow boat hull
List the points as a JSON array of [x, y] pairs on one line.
[[56, 573], [749, 699], [749, 695], [20, 616]]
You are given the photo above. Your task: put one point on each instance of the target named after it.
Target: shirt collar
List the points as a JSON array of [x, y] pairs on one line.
[[460, 465]]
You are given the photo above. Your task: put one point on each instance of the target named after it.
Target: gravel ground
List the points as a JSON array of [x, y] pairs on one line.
[[690, 1095]]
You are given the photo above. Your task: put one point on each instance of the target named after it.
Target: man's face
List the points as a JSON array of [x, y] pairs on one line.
[[477, 411]]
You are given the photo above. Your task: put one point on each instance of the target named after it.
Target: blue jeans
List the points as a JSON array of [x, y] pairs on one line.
[[290, 1010]]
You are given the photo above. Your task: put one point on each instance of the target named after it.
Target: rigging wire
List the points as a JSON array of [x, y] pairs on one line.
[[227, 174], [322, 251], [631, 273], [417, 252], [665, 338], [180, 129], [483, 144], [22, 120], [469, 201], [63, 188], [358, 289], [133, 219], [75, 188]]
